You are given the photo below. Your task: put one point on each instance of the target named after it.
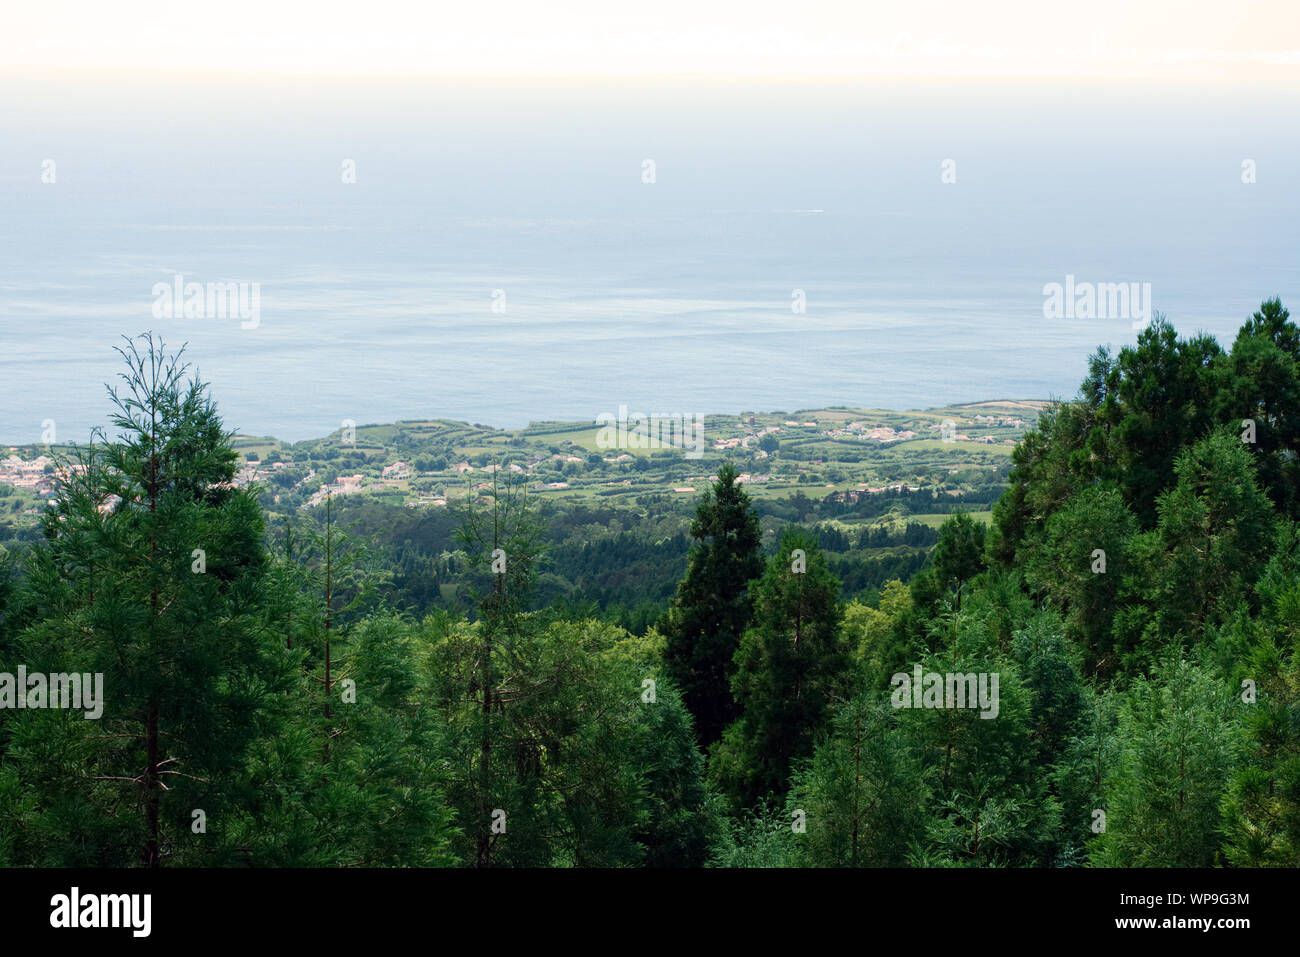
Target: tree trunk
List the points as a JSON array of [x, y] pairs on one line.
[[152, 857]]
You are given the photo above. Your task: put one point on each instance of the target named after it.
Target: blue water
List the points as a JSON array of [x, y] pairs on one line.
[[376, 297]]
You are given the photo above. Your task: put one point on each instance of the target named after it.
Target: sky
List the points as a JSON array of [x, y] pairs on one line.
[[1189, 40]]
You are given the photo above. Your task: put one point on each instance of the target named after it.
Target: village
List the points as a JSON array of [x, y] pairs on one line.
[[846, 453], [34, 475]]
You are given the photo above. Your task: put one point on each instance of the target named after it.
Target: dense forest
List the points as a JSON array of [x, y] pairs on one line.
[[610, 562], [1123, 636]]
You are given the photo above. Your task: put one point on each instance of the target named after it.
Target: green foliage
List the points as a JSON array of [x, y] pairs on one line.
[[763, 836], [151, 572], [1199, 563], [790, 667], [1178, 739], [585, 769], [1261, 383], [868, 630], [1079, 773], [711, 611], [1261, 811], [863, 793], [991, 805], [959, 555], [1078, 565]]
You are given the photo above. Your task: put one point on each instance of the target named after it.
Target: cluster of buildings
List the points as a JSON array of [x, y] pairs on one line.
[[343, 485], [963, 437], [871, 433], [861, 490], [996, 420], [39, 475], [36, 475], [251, 472], [745, 441], [741, 479]]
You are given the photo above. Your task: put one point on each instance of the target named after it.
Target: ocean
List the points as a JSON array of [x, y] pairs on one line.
[[506, 254]]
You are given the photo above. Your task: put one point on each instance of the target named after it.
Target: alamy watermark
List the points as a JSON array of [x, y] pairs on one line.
[[1101, 300], [935, 689], [75, 910], [637, 430], [80, 692], [208, 300]]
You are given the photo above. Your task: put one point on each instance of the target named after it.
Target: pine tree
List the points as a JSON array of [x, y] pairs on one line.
[[1261, 383], [991, 804], [588, 768], [337, 585], [380, 800], [1165, 390], [959, 554], [1079, 774]]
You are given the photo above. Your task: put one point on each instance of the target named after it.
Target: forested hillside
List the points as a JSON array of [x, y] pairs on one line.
[[737, 687]]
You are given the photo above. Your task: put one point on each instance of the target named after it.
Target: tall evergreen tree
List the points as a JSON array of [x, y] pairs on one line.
[[862, 794], [712, 607], [151, 572], [1179, 741], [1078, 565], [1262, 806], [1260, 394], [792, 665], [503, 540], [1213, 536], [1165, 401], [959, 554]]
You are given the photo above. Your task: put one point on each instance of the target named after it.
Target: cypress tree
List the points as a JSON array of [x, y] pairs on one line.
[[712, 608], [790, 667], [150, 571]]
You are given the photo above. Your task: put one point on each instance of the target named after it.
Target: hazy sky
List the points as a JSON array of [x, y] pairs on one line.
[[1177, 39]]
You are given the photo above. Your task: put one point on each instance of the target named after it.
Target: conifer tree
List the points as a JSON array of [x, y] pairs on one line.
[[1078, 564], [1179, 739], [380, 800], [712, 607], [1261, 810], [792, 664], [862, 794], [991, 804], [959, 554], [1260, 396], [1214, 532], [503, 542], [151, 572]]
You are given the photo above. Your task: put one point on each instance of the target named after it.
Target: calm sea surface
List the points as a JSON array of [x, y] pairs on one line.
[[377, 297]]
